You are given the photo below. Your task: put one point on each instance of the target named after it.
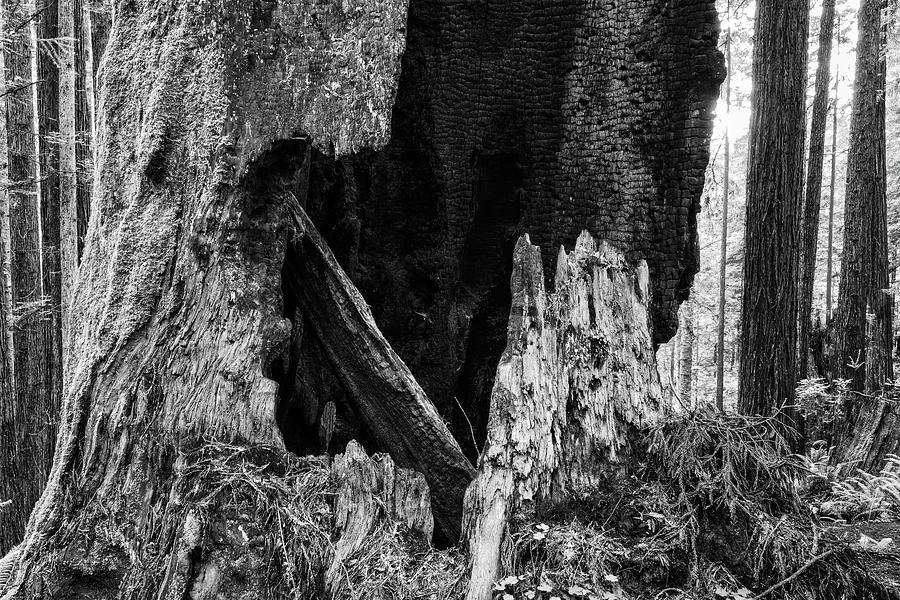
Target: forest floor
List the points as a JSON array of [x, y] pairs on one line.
[[714, 508]]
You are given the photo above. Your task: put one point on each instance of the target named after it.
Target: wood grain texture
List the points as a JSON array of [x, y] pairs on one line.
[[369, 490], [390, 401], [768, 342], [577, 378]]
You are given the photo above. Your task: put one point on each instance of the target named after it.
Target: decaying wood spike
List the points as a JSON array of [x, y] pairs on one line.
[[578, 377], [389, 400], [370, 489]]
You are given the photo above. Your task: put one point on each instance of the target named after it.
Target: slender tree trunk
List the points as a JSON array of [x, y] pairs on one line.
[[48, 100], [87, 41], [831, 187], [27, 459], [84, 121], [6, 331], [9, 409], [768, 365], [686, 360], [68, 177], [864, 267], [723, 258], [810, 224]]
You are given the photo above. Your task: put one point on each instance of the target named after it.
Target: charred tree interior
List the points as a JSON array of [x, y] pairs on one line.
[[513, 118], [421, 141]]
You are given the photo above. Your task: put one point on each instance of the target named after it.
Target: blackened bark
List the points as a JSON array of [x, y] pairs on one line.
[[864, 266], [768, 365], [518, 116], [813, 201]]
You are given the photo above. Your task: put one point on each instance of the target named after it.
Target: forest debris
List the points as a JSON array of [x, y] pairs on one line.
[[388, 398], [370, 490]]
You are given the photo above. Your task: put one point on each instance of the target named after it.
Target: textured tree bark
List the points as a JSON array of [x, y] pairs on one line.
[[812, 204], [179, 295], [28, 439], [577, 378], [768, 364], [68, 165], [864, 267]]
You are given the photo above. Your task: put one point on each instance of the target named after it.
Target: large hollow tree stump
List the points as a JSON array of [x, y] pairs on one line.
[[577, 379]]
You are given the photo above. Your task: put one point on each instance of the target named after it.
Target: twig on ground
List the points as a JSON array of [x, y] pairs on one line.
[[796, 573]]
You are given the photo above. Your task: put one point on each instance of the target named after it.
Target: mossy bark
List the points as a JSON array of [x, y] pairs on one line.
[[178, 300]]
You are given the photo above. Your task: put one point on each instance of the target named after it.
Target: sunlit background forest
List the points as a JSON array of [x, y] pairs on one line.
[[701, 316]]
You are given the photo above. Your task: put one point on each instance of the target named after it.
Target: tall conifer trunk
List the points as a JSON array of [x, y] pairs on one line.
[[768, 365], [864, 265], [29, 440], [813, 201]]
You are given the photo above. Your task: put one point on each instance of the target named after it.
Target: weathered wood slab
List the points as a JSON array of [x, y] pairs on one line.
[[390, 401]]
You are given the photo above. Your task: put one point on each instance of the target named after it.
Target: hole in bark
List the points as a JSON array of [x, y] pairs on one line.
[[386, 237], [484, 295], [313, 413]]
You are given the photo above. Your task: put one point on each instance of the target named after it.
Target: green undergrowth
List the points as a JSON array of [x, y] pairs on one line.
[[293, 499], [713, 509], [238, 522]]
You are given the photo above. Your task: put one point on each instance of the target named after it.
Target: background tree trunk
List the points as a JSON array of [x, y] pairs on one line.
[[576, 379], [864, 261], [48, 102], [68, 165], [28, 457], [726, 185], [768, 365], [811, 207], [9, 485], [834, 127], [686, 360]]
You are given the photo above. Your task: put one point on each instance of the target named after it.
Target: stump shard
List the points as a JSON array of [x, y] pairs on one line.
[[577, 379]]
